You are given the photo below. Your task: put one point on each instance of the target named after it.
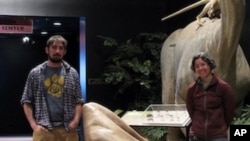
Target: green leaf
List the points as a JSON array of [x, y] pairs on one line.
[[133, 67], [108, 41]]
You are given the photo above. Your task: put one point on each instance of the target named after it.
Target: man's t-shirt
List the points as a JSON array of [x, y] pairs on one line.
[[54, 82]]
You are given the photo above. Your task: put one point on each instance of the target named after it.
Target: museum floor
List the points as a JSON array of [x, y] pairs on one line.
[[15, 138]]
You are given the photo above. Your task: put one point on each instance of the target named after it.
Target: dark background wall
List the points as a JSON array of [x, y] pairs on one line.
[[121, 19]]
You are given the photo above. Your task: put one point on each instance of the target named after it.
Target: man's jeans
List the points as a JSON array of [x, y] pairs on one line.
[[56, 134]]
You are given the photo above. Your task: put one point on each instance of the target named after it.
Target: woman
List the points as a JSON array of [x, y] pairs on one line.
[[209, 102]]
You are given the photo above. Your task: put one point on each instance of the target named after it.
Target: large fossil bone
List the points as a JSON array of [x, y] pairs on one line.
[[101, 124], [211, 8]]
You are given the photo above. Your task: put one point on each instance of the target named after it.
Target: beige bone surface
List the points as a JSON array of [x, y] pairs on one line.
[[101, 124], [210, 8]]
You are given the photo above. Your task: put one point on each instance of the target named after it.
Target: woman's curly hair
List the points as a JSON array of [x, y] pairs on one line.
[[205, 57]]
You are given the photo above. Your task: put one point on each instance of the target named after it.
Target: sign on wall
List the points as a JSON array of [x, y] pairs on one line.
[[16, 25]]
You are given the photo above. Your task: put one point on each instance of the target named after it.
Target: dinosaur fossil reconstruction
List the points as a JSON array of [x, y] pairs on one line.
[[211, 8], [217, 36]]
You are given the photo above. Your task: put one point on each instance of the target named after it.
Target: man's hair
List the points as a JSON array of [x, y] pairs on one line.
[[205, 57], [54, 38]]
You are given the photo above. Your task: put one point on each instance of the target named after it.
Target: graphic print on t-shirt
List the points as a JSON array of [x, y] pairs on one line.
[[54, 85]]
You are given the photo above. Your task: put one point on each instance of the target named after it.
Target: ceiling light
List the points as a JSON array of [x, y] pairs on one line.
[[44, 32], [57, 24]]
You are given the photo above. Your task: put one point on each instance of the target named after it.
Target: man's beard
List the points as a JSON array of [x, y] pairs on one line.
[[55, 59]]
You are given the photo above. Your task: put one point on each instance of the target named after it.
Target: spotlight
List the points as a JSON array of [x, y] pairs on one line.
[[26, 39]]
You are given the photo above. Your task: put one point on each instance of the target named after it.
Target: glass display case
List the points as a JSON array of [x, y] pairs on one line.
[[174, 115], [166, 115]]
